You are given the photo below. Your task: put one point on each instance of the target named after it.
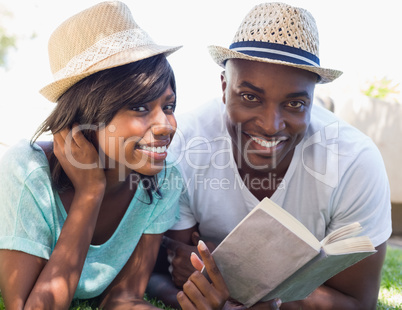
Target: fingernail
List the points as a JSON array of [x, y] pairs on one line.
[[180, 295], [278, 302], [202, 245]]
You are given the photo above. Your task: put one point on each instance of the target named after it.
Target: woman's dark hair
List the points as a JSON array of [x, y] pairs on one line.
[[96, 99]]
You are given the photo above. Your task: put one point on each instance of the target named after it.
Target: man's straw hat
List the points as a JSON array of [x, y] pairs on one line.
[[280, 34], [101, 37]]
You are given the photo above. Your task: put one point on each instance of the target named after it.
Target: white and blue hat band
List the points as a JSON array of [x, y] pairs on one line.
[[276, 51]]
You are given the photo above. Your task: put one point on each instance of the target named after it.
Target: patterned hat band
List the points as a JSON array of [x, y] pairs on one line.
[[276, 52], [103, 49]]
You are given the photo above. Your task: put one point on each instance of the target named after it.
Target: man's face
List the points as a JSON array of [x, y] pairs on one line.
[[268, 112]]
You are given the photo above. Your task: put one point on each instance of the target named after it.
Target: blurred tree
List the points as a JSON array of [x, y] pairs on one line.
[[7, 41], [381, 89]]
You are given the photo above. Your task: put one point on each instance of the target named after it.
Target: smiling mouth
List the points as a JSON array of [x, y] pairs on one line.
[[153, 149], [266, 143]]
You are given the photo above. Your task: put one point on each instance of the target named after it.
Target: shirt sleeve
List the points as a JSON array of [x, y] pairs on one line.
[[363, 195], [25, 194], [187, 219]]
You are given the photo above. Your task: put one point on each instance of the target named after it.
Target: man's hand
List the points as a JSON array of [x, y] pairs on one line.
[[179, 257], [198, 292]]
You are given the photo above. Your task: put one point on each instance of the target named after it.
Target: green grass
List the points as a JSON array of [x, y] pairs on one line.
[[390, 296]]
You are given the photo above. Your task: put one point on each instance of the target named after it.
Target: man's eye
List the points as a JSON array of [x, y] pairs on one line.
[[249, 97], [295, 104]]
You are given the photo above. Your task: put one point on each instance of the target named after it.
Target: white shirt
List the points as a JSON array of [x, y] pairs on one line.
[[336, 177]]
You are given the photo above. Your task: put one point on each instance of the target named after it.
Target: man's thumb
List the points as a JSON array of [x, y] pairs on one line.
[[195, 237]]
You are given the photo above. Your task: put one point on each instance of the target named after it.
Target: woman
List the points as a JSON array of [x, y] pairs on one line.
[[83, 216]]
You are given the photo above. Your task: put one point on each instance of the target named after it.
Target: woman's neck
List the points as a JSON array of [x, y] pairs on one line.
[[118, 180]]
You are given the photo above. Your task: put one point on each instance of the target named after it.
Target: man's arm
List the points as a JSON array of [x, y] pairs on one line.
[[356, 287]]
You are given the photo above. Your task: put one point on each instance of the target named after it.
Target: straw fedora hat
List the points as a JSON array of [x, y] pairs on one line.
[[280, 34], [101, 37]]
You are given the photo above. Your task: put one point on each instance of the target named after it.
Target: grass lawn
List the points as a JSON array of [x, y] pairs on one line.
[[390, 297]]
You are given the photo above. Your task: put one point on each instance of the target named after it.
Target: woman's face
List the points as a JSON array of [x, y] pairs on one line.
[[137, 138]]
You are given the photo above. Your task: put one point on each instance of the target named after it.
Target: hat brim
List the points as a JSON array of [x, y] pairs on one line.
[[221, 54], [54, 90]]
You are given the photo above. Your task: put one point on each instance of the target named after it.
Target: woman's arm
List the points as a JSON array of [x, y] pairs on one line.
[[18, 274], [29, 282], [165, 284], [56, 284], [128, 288]]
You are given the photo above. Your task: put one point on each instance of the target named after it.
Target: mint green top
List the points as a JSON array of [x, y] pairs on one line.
[[32, 216]]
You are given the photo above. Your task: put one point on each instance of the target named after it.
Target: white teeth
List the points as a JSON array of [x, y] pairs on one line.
[[265, 143], [159, 149]]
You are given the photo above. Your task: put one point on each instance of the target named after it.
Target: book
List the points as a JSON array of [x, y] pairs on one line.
[[270, 254]]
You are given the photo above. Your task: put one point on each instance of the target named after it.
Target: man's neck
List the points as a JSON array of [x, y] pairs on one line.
[[263, 183]]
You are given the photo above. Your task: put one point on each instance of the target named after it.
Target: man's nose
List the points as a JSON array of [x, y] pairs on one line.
[[271, 120]]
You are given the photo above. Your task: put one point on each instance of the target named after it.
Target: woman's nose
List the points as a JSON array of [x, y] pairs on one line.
[[161, 125]]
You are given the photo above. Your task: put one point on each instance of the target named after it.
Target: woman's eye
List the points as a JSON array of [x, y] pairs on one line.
[[249, 97], [139, 109], [170, 107]]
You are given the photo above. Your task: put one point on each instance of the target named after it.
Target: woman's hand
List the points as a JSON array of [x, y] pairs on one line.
[[197, 292], [80, 160]]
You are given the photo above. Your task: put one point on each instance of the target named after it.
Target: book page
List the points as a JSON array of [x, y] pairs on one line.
[[258, 255], [344, 232], [270, 253], [290, 222], [351, 245]]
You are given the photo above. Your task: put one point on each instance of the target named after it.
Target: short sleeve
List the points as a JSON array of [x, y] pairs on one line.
[[363, 195], [166, 212], [25, 202], [187, 219]]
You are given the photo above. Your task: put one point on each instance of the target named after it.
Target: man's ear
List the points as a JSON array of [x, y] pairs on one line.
[[223, 85]]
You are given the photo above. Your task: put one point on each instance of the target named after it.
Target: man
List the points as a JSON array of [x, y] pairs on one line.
[[267, 139]]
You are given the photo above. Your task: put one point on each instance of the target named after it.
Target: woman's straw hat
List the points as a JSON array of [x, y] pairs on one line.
[[101, 37], [280, 34]]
